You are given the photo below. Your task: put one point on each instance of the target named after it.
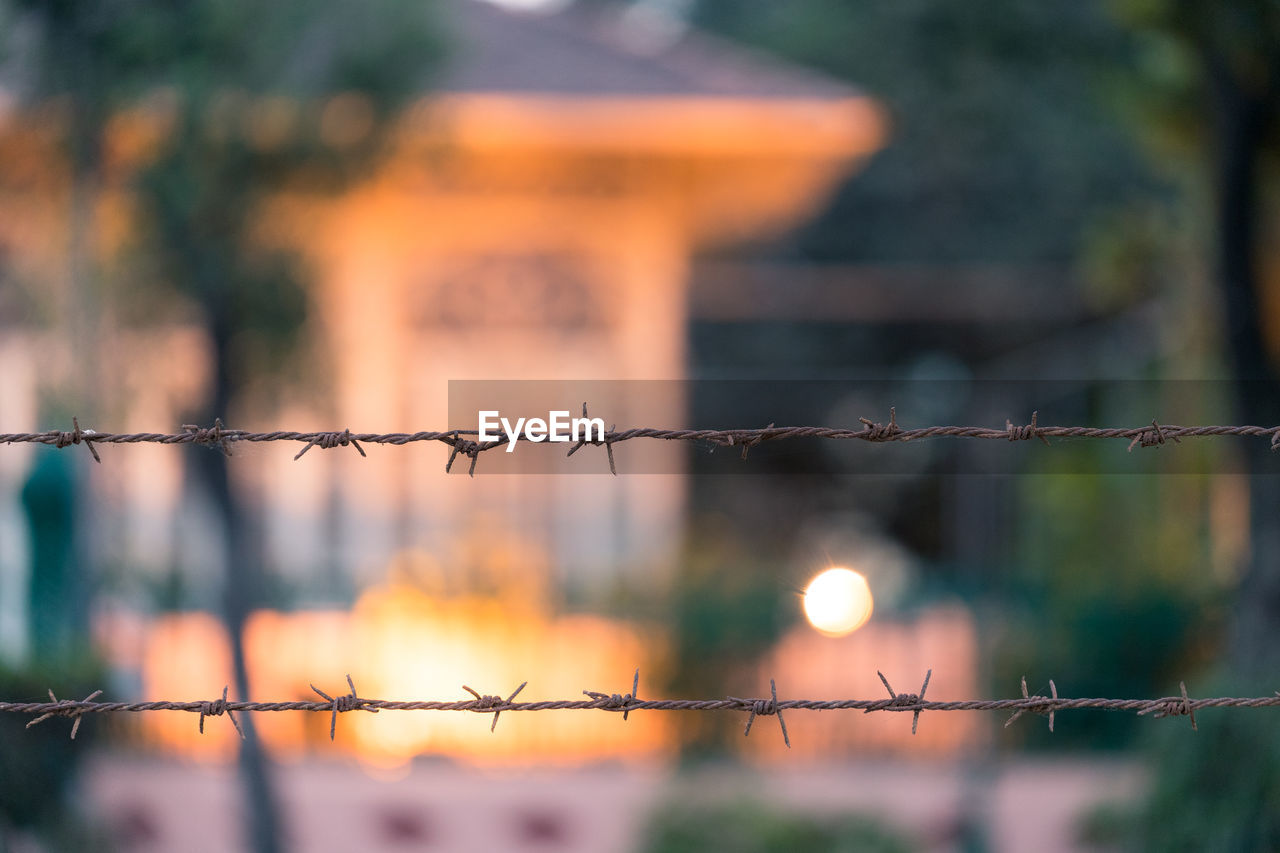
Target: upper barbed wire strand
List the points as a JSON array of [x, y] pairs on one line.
[[463, 441]]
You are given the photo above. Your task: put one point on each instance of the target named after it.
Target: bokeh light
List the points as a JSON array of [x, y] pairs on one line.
[[838, 601]]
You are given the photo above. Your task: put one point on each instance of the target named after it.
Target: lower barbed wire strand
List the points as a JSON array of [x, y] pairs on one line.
[[1039, 704]]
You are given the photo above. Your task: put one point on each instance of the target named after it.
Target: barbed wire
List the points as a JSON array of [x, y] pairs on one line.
[[625, 703], [460, 442]]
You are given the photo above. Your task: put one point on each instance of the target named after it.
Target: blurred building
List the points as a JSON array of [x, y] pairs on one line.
[[537, 222]]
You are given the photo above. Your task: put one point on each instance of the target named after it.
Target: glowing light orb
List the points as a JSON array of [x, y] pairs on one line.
[[837, 602]]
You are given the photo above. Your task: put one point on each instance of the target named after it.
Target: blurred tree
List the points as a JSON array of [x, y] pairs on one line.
[[324, 79], [1215, 76], [1001, 149], [1220, 81]]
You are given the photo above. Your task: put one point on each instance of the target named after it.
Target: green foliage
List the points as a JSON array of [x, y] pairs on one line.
[[1002, 145], [220, 71], [1195, 59], [216, 170], [747, 827], [727, 608], [38, 765], [1217, 790], [1243, 32], [125, 48], [1113, 595]]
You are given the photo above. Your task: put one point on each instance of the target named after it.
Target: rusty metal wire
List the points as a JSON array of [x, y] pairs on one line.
[[219, 436], [913, 703]]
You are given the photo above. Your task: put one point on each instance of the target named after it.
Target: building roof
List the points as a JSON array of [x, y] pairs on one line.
[[605, 49]]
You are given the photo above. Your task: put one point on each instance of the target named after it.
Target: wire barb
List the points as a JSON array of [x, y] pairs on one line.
[[882, 432], [1174, 707], [214, 436], [606, 441], [1025, 433], [61, 439], [488, 704], [342, 704], [330, 440], [217, 708], [67, 708], [1151, 437], [617, 702], [1053, 689], [751, 441], [465, 447], [765, 708], [903, 701]]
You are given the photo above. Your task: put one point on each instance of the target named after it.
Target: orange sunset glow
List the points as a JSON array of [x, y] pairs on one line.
[[399, 642]]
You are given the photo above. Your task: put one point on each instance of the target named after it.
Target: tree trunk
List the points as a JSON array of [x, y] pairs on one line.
[[243, 578], [1241, 125], [84, 303]]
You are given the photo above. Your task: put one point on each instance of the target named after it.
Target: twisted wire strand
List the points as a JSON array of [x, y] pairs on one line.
[[912, 703], [462, 441]]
